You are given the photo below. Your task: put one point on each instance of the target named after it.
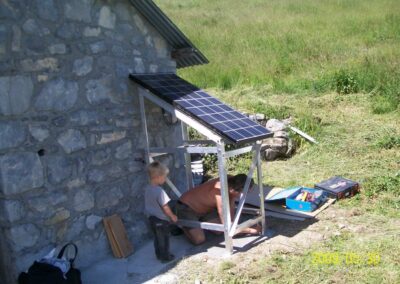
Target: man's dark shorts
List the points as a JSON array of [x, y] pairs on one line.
[[184, 212]]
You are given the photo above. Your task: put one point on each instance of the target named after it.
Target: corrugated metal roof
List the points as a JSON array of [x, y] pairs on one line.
[[171, 33]]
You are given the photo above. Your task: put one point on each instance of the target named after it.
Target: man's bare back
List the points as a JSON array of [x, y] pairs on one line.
[[202, 199], [206, 198]]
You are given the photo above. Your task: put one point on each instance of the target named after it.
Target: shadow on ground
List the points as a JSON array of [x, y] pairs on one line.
[[142, 266]]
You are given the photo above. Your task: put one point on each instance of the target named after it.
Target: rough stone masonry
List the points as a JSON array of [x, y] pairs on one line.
[[70, 131]]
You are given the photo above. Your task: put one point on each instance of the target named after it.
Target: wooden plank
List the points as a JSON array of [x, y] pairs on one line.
[[111, 239], [122, 244], [256, 211], [303, 214]]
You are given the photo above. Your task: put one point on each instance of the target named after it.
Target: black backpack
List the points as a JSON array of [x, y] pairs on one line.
[[44, 273]]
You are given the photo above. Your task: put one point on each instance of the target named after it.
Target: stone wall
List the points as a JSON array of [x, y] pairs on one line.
[[70, 129]]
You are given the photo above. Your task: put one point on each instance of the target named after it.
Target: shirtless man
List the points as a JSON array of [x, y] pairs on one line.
[[204, 203]]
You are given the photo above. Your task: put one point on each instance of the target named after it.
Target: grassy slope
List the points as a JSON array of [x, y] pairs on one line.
[[259, 49], [294, 46]]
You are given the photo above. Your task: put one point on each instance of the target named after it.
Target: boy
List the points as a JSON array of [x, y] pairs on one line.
[[157, 208]]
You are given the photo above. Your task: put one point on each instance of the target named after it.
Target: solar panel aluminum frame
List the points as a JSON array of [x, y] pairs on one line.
[[177, 104], [228, 227]]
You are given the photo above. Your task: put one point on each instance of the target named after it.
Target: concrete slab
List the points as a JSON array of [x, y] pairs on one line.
[[143, 267]]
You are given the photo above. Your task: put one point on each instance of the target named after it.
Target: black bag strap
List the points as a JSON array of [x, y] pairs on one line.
[[61, 253]]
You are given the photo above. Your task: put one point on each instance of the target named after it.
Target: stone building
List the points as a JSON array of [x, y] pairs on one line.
[[70, 131]]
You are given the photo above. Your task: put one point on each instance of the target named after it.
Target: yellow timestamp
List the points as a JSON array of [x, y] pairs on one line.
[[345, 258]]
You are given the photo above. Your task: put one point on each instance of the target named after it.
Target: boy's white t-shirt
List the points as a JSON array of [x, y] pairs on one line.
[[154, 198]]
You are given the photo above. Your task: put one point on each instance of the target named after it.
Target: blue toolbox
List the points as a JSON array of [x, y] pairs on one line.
[[305, 199]]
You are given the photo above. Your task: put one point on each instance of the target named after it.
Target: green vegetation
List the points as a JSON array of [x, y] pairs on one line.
[[334, 67], [292, 46]]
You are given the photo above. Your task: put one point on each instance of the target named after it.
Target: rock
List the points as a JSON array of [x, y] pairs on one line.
[[83, 66], [274, 125], [271, 154], [96, 175], [111, 137], [91, 32], [59, 217], [83, 200], [16, 40], [135, 166], [127, 123], [20, 172], [23, 236], [281, 134], [31, 27], [138, 183], [78, 10], [275, 143], [59, 121], [139, 66], [149, 41], [57, 95], [115, 171], [124, 151], [75, 183], [101, 157], [68, 31], [140, 24], [42, 203], [59, 168], [92, 221], [85, 117], [35, 45], [12, 134], [39, 133], [153, 68], [120, 51], [122, 12], [47, 10], [106, 18], [45, 64], [98, 47], [15, 94], [109, 196], [161, 47], [99, 91], [58, 48], [3, 39], [72, 140], [14, 210], [123, 69]]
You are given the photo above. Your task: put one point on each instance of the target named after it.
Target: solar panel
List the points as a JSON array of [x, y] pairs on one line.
[[206, 109]]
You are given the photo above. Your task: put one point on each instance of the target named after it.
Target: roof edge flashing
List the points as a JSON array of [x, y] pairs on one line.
[[170, 32]]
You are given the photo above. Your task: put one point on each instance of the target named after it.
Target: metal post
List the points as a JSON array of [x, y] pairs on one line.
[[188, 165], [260, 186], [144, 128], [225, 196]]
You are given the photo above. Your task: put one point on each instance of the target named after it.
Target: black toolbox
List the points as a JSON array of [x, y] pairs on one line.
[[339, 187]]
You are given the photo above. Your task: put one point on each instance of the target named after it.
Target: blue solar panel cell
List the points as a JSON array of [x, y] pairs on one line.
[[208, 110]]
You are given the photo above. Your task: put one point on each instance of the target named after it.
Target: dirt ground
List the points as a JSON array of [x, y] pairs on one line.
[[289, 237]]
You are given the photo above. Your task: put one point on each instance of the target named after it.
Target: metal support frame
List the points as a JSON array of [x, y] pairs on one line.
[[230, 228]]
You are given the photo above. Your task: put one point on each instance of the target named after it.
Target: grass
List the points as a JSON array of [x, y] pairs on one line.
[[295, 46], [333, 66], [342, 259], [353, 142]]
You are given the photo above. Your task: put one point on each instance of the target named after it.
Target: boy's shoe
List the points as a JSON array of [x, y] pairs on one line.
[[168, 259]]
